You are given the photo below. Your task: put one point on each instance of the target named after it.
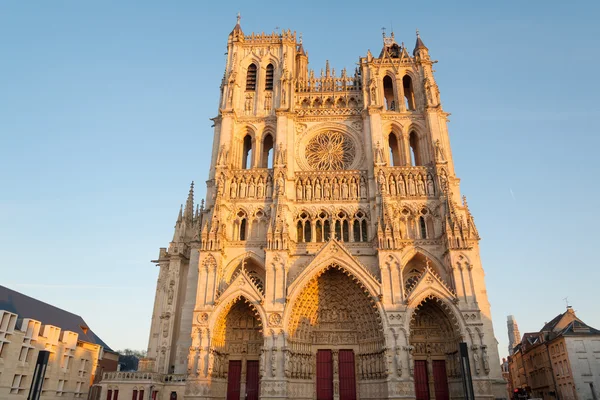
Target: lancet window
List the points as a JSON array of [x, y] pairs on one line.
[[409, 95], [304, 228], [415, 154], [322, 227], [394, 145], [342, 226], [247, 153], [241, 226], [267, 152], [360, 227], [251, 77], [269, 78], [258, 227], [388, 93]]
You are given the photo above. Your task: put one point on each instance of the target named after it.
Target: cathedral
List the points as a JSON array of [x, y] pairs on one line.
[[334, 258]]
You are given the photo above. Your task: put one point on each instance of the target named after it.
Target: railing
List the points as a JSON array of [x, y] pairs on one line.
[[143, 376], [329, 84]]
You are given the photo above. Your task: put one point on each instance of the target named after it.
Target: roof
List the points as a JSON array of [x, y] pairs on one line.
[[28, 307]]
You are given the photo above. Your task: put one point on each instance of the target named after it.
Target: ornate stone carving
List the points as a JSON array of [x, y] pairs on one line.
[[329, 151], [275, 319]]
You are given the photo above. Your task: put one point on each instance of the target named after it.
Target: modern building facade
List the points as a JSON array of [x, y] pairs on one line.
[[561, 361], [335, 257], [77, 355]]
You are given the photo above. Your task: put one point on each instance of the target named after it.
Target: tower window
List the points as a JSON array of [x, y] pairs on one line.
[[251, 77], [247, 153], [415, 156], [394, 150], [267, 156], [388, 93], [269, 77], [409, 95]]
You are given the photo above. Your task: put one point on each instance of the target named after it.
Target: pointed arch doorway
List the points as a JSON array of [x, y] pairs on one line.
[[235, 355], [336, 342], [435, 339]]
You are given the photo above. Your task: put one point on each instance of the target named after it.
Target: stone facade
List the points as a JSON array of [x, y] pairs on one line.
[[335, 255]]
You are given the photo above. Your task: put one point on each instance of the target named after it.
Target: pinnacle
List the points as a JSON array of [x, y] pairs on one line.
[[189, 204]]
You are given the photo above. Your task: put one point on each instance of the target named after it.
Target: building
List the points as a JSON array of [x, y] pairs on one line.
[[335, 257], [77, 354], [561, 361], [514, 336]]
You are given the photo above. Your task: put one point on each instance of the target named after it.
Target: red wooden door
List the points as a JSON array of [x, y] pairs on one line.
[[324, 375], [440, 380], [252, 380], [234, 377], [421, 382], [347, 378]]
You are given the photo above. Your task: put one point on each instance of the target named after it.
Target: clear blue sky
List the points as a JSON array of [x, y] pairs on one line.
[[104, 121]]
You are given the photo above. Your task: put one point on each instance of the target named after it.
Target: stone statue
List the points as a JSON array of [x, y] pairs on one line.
[[363, 188], [430, 187], [299, 194], [485, 358], [274, 361]]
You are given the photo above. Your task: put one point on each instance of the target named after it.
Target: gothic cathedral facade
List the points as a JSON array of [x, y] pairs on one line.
[[335, 257]]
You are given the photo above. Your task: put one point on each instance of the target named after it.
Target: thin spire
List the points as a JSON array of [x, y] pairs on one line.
[[419, 44], [189, 204], [238, 27]]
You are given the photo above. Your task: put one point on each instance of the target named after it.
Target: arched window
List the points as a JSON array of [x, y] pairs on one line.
[[300, 231], [269, 77], [134, 395], [267, 156], [338, 230], [247, 153], [415, 156], [356, 230], [388, 93], [243, 224], [345, 231], [173, 396], [304, 228], [141, 395], [363, 230], [409, 95], [394, 150], [423, 227], [307, 232], [251, 77]]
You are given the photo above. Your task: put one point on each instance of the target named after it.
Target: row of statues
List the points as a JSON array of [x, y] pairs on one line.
[[371, 366], [251, 187], [410, 184], [336, 188], [299, 365]]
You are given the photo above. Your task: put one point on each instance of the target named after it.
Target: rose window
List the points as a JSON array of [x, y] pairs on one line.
[[330, 151]]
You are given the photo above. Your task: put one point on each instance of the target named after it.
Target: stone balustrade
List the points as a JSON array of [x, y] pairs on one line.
[[120, 376]]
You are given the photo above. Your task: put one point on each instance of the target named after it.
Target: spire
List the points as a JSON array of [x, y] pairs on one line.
[[300, 49], [180, 216], [419, 45], [189, 204], [238, 27]]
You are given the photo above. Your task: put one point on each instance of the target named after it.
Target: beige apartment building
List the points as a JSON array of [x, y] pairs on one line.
[[77, 355], [335, 257], [561, 361]]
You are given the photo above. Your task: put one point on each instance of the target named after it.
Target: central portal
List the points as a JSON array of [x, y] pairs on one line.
[[336, 344]]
